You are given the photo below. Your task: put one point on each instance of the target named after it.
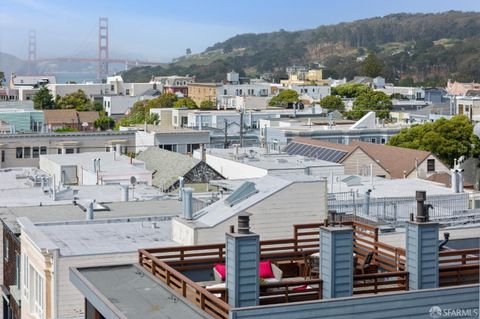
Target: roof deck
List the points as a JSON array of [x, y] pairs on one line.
[[188, 270]]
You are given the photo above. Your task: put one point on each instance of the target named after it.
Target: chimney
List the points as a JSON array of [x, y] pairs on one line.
[[200, 122], [118, 150], [89, 211], [204, 152], [94, 165], [98, 165], [422, 248], [242, 260], [124, 188], [187, 203], [336, 261]]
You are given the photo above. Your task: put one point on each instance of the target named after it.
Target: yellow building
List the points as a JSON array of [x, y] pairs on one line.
[[310, 77], [200, 92]]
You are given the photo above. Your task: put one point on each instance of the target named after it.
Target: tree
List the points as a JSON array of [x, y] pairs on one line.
[[448, 139], [227, 49], [43, 99], [185, 102], [284, 98], [2, 78], [167, 100], [104, 123], [372, 66], [77, 100], [188, 51], [207, 105], [332, 102], [350, 90], [375, 101]]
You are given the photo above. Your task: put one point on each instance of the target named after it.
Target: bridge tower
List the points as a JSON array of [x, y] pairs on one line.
[[102, 70], [32, 52]]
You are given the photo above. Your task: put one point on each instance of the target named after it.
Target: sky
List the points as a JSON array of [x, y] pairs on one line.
[[159, 30]]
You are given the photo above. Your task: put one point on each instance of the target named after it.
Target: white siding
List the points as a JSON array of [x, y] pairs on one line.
[[299, 203], [423, 169]]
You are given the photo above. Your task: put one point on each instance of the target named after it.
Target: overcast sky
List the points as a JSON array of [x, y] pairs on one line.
[[161, 30]]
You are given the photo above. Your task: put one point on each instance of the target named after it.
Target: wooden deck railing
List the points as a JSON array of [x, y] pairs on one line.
[[187, 288], [387, 257], [380, 282], [459, 267], [282, 292]]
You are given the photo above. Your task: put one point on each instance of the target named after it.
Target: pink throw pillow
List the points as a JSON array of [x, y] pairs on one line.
[[300, 288], [220, 268], [265, 269]]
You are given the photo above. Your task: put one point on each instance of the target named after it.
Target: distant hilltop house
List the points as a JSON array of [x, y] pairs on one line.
[[362, 158], [459, 88]]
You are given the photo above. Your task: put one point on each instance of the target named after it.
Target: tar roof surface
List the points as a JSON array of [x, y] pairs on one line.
[[136, 294]]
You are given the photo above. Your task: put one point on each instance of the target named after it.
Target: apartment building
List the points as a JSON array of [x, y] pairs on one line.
[[24, 150]]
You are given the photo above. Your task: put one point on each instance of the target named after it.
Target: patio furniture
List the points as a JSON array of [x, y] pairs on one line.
[[312, 265], [366, 266], [271, 275]]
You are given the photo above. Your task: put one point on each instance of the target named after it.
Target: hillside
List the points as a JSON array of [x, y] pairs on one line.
[[11, 64], [424, 48]]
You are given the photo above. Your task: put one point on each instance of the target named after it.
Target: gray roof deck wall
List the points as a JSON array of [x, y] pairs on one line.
[[128, 291]]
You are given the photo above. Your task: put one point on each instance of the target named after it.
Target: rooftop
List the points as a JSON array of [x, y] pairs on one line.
[[264, 187], [257, 157], [17, 189], [71, 212], [135, 294], [396, 160], [166, 165], [110, 161], [385, 187], [107, 236]]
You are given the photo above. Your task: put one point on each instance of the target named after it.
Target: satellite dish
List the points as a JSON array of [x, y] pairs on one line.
[[133, 180]]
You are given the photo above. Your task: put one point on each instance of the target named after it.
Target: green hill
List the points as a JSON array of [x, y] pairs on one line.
[[426, 48]]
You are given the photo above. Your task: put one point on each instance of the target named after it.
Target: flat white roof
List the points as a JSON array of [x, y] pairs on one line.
[[257, 157], [385, 187], [100, 236], [16, 190]]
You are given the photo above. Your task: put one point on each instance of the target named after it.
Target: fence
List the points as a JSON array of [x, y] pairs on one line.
[[397, 210]]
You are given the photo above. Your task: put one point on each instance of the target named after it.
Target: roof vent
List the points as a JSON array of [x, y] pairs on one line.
[[352, 180], [243, 192]]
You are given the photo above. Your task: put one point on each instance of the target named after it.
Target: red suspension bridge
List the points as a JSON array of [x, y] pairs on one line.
[[103, 59]]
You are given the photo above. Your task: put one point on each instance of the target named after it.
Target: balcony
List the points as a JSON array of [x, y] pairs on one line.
[[378, 268]]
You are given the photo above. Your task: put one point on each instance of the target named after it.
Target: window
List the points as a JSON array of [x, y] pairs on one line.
[[43, 150], [35, 152], [3, 156], [127, 91], [70, 151], [19, 152], [59, 151], [5, 249], [26, 152], [112, 87], [224, 92], [431, 165], [36, 292], [26, 279]]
